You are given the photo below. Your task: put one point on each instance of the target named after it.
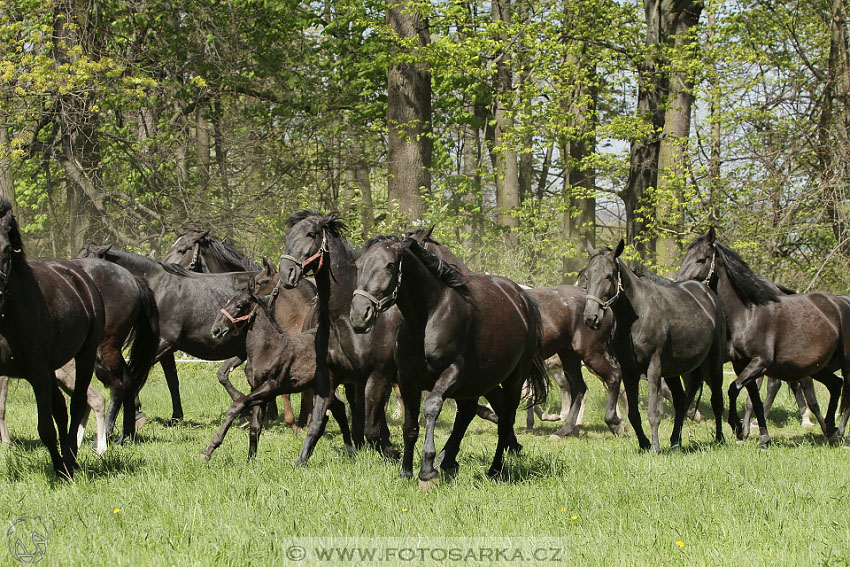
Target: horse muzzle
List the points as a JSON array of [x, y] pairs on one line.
[[593, 317], [362, 315], [219, 331], [290, 274]]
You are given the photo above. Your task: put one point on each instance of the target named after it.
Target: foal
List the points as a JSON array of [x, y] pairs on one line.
[[278, 363]]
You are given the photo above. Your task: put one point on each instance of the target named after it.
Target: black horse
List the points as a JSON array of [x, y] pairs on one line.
[[199, 252], [770, 332], [278, 363], [50, 312], [565, 334], [188, 304], [315, 243], [663, 329], [460, 337], [131, 318]]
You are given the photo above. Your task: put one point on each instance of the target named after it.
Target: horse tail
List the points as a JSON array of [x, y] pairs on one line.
[[144, 335], [539, 376]]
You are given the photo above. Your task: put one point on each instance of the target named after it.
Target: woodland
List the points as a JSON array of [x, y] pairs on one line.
[[520, 128]]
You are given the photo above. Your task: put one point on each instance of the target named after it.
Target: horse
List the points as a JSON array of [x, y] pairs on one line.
[[460, 337], [770, 332], [663, 329], [564, 334], [131, 319], [804, 394], [278, 363], [314, 243], [50, 312], [188, 303], [197, 251]]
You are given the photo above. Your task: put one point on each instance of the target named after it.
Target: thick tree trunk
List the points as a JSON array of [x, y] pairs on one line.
[[662, 19], [357, 178], [673, 152], [409, 117], [506, 170]]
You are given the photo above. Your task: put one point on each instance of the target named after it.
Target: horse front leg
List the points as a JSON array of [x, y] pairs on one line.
[[43, 385], [261, 393], [317, 427], [433, 406], [256, 428], [376, 395], [680, 406], [466, 410], [4, 392], [612, 377], [748, 409], [169, 368], [632, 385], [412, 398], [223, 375], [656, 401]]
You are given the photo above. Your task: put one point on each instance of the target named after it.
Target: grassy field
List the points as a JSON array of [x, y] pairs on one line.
[[597, 500]]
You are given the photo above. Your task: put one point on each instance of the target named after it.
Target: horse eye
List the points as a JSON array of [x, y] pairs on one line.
[[702, 260], [311, 235]]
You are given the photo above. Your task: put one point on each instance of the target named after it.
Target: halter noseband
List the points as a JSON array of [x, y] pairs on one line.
[[707, 279], [606, 304], [237, 320], [382, 305], [320, 254]]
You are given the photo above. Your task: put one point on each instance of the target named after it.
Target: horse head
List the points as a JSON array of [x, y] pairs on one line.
[[307, 245], [604, 283], [380, 272]]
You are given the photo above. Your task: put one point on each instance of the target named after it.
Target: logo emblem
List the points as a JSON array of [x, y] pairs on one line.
[[27, 539]]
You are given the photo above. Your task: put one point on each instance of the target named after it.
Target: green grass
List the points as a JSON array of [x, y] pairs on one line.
[[155, 503]]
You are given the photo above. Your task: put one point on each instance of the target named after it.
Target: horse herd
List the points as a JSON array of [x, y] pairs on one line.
[[404, 310]]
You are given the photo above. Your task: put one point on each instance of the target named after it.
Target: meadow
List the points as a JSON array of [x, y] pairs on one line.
[[596, 498]]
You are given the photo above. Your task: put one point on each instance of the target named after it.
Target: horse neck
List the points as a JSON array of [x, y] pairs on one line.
[[136, 264], [631, 298], [419, 292], [732, 306], [337, 280], [448, 257]]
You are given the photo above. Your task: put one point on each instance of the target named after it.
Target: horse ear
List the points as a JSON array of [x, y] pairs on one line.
[[267, 265], [620, 248], [430, 230], [712, 236], [589, 246], [203, 235], [102, 249]]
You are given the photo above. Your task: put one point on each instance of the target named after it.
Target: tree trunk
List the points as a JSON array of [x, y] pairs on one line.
[[673, 152], [408, 117], [662, 17], [506, 170], [7, 186]]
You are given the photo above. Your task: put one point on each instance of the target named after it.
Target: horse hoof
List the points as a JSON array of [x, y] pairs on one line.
[[550, 417], [494, 473], [764, 442], [554, 437], [675, 448], [450, 472], [407, 475], [392, 454], [173, 422], [205, 458], [515, 449], [141, 420], [349, 450]]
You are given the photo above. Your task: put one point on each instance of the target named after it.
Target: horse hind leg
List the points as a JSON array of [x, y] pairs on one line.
[[834, 384], [43, 387], [801, 389], [169, 368], [512, 391], [578, 389], [680, 406]]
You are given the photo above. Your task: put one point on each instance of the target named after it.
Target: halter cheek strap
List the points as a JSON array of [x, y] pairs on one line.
[[382, 305], [606, 304], [320, 254]]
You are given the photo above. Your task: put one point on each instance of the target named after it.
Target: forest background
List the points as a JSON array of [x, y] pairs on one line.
[[519, 127]]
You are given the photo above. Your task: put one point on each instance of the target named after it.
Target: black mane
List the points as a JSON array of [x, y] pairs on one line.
[[443, 271], [14, 231], [330, 222], [228, 254], [751, 288]]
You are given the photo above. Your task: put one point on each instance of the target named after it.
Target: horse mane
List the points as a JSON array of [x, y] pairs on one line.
[[751, 288], [330, 221], [14, 231], [442, 270], [228, 254], [175, 269]]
